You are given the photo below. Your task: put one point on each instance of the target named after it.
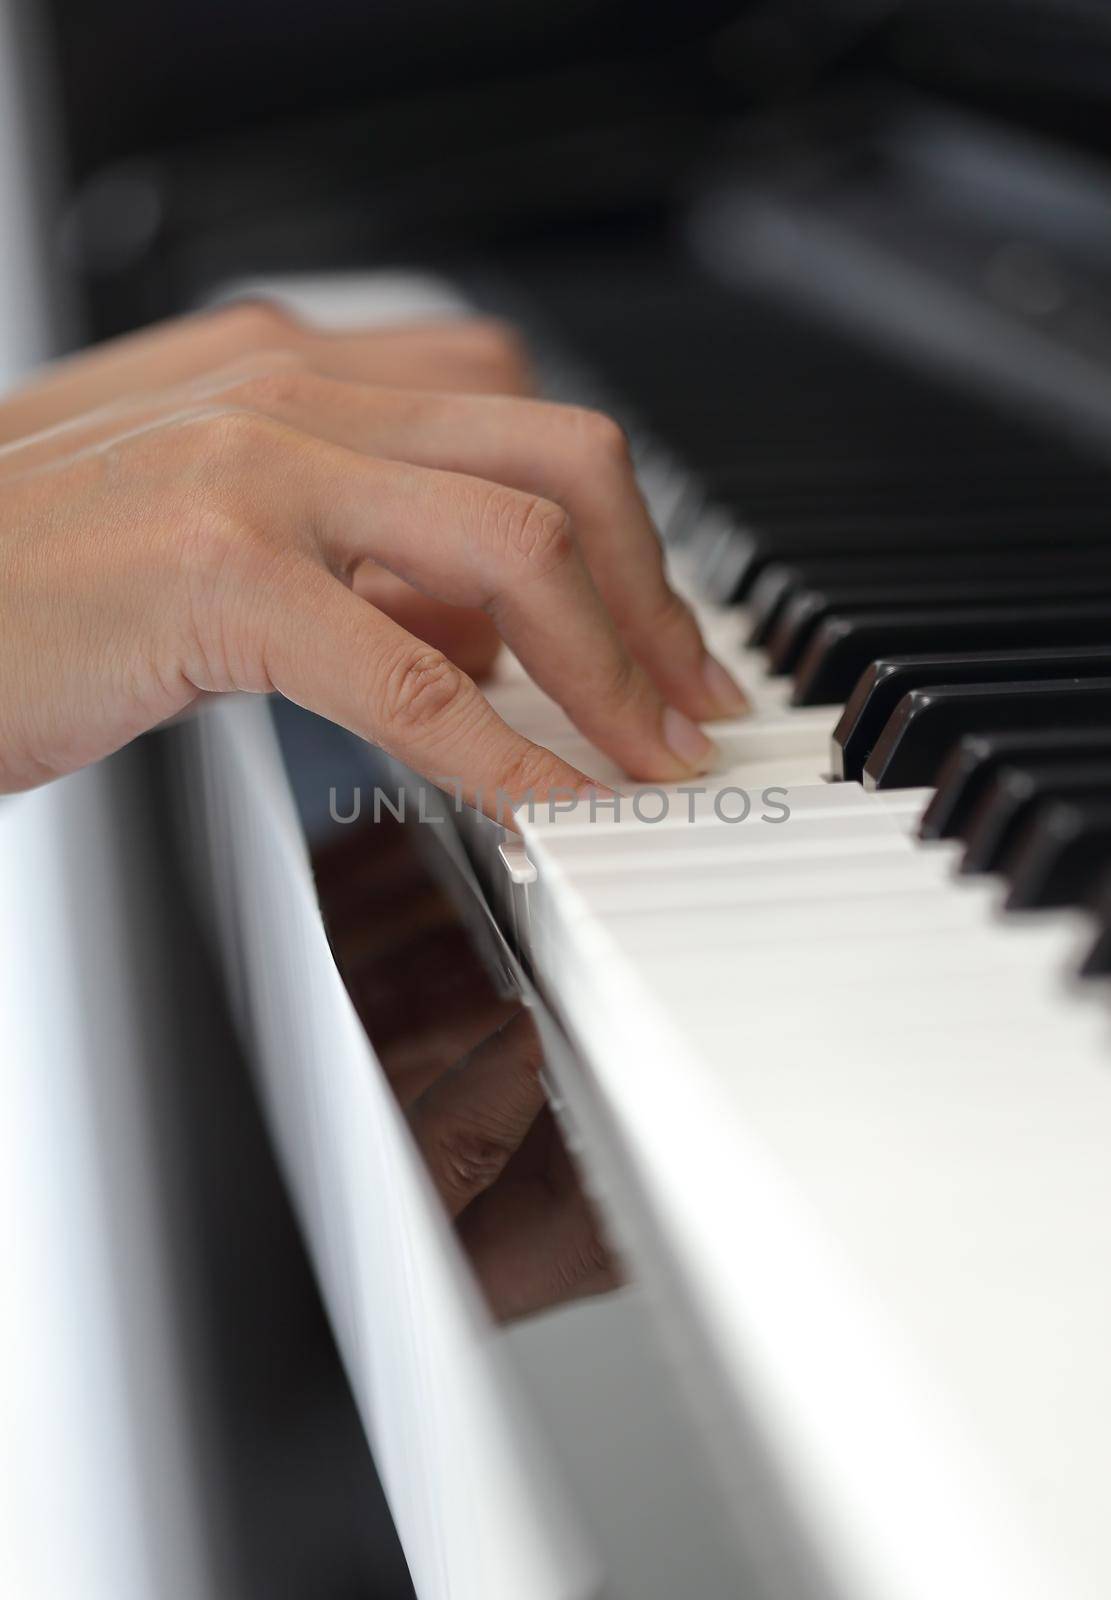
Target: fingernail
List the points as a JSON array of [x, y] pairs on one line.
[[686, 740], [724, 690]]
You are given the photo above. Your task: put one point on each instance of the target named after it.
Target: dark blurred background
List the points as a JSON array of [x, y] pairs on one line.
[[203, 139]]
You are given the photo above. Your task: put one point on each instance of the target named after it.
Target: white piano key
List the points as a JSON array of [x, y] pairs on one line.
[[830, 1061], [814, 879], [628, 828]]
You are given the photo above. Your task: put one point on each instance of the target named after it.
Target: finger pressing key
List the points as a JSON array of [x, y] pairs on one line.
[[470, 543], [577, 458], [340, 657]]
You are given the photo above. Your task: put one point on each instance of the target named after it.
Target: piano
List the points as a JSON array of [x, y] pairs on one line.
[[828, 1031], [826, 1035]]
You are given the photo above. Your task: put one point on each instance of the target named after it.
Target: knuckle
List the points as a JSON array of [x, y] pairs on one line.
[[279, 386], [226, 443], [231, 431], [497, 342], [421, 689], [274, 358], [621, 681], [235, 375], [531, 770], [222, 445], [219, 539], [667, 613], [529, 531], [496, 356], [603, 436], [237, 438], [257, 324], [211, 537]]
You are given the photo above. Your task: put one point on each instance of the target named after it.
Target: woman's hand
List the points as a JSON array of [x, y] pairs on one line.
[[472, 355], [254, 529]]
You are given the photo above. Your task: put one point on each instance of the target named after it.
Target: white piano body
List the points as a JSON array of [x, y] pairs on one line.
[[865, 1222]]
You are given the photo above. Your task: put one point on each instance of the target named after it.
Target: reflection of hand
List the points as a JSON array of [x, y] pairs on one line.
[[464, 1064], [247, 528], [501, 1168]]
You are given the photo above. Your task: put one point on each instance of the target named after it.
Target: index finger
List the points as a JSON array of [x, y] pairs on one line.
[[577, 458], [473, 543], [335, 654]]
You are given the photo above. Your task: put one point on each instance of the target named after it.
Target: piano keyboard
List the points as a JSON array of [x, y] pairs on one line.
[[843, 1048], [847, 1116]]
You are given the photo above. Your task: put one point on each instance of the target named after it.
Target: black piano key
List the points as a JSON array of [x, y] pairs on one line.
[[927, 723], [881, 520], [883, 684], [857, 476], [845, 645], [1055, 476], [757, 547], [754, 552], [769, 593], [1066, 847], [807, 609], [779, 583], [885, 530], [972, 765], [1014, 795]]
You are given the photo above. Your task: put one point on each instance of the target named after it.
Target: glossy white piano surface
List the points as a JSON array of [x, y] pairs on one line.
[[851, 1128], [869, 1119]]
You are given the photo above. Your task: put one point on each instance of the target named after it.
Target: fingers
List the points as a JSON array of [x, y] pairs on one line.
[[468, 354], [328, 650], [471, 543], [592, 473], [475, 355], [473, 1120], [169, 353], [465, 635], [578, 459]]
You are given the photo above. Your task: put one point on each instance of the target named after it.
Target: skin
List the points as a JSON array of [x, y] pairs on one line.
[[234, 502]]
